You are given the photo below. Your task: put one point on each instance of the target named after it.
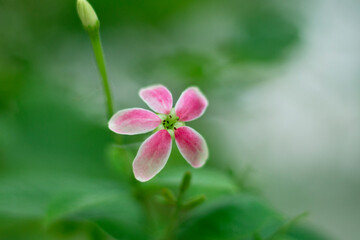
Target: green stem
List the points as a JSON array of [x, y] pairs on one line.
[[99, 55], [169, 234], [174, 221]]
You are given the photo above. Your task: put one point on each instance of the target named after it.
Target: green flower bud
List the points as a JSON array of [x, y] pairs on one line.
[[185, 184], [87, 15]]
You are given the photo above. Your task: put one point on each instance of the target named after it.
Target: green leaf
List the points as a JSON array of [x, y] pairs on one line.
[[288, 225], [121, 218], [205, 181], [50, 198], [87, 195], [303, 232], [235, 217]]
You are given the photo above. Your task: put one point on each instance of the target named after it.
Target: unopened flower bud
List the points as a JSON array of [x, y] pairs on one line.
[[87, 15], [185, 184]]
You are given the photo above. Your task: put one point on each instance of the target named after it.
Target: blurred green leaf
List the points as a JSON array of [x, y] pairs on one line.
[[231, 218], [301, 232], [11, 229], [287, 226], [73, 201], [120, 158], [53, 197], [19, 229], [205, 181], [121, 218]]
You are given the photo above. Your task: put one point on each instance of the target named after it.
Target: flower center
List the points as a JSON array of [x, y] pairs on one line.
[[170, 121]]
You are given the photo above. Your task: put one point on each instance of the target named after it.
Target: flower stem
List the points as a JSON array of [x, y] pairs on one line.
[[173, 224], [99, 55], [174, 221]]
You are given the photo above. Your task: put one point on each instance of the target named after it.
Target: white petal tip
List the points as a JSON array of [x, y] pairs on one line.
[[141, 179], [199, 165]]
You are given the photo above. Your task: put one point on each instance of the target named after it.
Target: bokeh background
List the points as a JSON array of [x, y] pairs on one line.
[[282, 78]]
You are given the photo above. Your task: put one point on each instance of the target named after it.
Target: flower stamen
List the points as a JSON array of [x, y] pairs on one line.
[[171, 120]]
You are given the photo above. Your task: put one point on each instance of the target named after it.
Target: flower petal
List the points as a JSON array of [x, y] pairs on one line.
[[158, 98], [152, 155], [191, 104], [192, 146], [134, 121]]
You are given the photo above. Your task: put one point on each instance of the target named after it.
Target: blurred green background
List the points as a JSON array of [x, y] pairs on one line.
[[282, 79]]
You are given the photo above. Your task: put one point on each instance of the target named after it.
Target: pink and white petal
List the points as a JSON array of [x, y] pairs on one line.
[[192, 146], [191, 104], [152, 155], [134, 121], [158, 98]]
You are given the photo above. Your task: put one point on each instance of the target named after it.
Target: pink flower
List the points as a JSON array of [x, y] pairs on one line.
[[168, 123]]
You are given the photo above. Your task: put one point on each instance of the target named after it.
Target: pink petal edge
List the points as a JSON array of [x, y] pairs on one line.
[[133, 121], [192, 146], [191, 104], [152, 155], [158, 98]]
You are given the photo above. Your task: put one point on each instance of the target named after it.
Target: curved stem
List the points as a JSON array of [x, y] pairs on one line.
[[99, 55]]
